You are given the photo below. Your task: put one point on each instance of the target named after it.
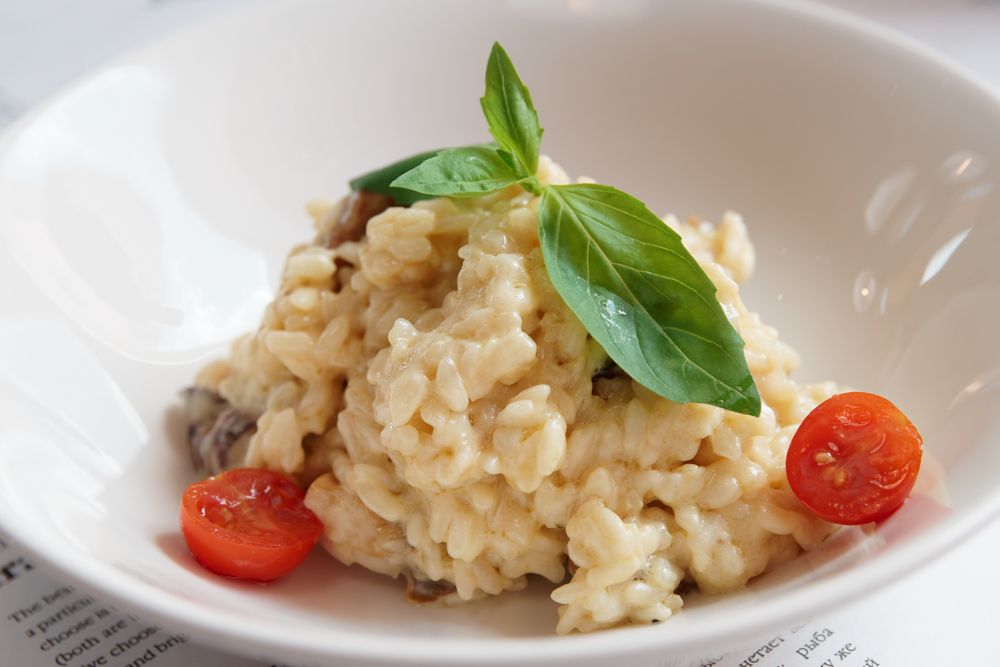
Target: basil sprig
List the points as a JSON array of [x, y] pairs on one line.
[[618, 267]]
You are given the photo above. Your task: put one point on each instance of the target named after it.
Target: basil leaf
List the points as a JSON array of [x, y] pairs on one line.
[[460, 172], [643, 297], [509, 112], [380, 180]]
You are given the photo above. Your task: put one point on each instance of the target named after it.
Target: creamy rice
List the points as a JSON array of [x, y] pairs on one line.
[[435, 394]]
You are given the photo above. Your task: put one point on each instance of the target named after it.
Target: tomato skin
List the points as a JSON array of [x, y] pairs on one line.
[[248, 524], [854, 459]]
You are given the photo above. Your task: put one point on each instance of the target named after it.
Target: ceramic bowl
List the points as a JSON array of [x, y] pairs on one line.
[[145, 212]]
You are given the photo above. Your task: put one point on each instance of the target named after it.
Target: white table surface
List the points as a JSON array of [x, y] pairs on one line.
[[44, 44]]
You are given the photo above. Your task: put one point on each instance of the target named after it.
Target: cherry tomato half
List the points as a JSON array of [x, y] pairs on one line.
[[248, 523], [854, 459]]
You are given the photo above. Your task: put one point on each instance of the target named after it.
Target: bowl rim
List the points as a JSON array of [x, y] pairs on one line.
[[214, 628]]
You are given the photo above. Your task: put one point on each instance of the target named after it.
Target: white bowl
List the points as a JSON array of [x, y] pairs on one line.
[[145, 212]]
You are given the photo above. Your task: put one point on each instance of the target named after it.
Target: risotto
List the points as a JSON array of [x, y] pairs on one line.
[[454, 423]]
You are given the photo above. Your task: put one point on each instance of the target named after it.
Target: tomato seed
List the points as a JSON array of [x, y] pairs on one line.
[[824, 458]]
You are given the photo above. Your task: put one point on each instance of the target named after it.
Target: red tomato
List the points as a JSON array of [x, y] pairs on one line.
[[248, 523], [854, 459]]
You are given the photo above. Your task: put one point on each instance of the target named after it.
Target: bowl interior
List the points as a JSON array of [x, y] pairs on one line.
[[146, 211]]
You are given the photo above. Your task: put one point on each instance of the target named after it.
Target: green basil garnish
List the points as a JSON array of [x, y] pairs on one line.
[[380, 180], [472, 171], [509, 112], [642, 296], [621, 270]]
